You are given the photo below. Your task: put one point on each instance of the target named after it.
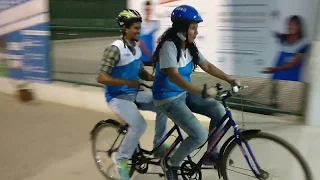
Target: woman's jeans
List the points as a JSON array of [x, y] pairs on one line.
[[180, 111], [125, 107]]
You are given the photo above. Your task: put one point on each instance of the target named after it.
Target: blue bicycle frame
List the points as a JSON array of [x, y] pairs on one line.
[[228, 122]]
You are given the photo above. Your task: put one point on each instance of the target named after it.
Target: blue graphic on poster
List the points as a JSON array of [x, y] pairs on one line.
[[36, 53], [290, 60], [147, 37], [25, 26], [28, 52], [14, 55]]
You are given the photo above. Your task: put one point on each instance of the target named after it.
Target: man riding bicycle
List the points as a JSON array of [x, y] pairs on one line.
[[120, 71], [175, 57]]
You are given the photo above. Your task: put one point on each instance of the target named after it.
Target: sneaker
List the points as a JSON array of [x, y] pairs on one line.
[[169, 172], [122, 167], [161, 150], [212, 160]]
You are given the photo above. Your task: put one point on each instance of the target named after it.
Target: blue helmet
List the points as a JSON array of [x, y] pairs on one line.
[[185, 13]]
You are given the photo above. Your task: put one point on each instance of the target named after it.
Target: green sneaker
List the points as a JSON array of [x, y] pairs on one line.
[[162, 150], [122, 168]]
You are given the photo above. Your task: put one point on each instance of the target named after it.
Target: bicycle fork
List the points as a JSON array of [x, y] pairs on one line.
[[245, 154]]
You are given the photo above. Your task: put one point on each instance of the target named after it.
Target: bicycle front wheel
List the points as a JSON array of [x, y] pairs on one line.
[[269, 157]]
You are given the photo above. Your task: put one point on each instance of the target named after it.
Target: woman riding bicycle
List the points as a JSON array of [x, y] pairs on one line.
[[175, 58]]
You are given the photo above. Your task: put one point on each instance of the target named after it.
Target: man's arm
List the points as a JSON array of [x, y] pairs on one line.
[[144, 48], [110, 58], [145, 75], [279, 36]]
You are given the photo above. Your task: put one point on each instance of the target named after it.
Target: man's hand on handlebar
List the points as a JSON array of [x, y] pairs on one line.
[[132, 83]]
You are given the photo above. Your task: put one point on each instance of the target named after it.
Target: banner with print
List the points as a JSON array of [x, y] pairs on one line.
[[260, 38], [24, 26], [255, 38]]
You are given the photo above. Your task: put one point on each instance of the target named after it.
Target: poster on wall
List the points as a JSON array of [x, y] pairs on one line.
[[26, 33], [241, 36], [259, 38], [254, 38]]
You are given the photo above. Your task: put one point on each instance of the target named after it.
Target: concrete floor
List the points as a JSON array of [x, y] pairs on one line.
[[42, 140]]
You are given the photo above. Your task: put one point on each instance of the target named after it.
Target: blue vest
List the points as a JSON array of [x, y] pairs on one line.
[[287, 53], [128, 68], [163, 87]]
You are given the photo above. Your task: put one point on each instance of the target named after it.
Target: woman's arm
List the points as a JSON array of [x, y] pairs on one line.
[[176, 78], [214, 71], [297, 59]]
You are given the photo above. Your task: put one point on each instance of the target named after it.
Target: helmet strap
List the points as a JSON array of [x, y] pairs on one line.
[[181, 36]]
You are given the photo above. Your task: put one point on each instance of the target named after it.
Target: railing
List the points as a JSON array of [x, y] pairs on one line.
[[78, 63]]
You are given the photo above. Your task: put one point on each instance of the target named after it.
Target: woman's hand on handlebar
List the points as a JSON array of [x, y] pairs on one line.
[[234, 82], [212, 92], [209, 92]]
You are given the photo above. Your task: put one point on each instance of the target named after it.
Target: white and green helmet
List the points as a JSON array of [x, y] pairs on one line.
[[128, 16]]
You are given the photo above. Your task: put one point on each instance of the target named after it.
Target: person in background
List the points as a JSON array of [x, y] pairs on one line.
[[120, 72], [147, 39], [292, 54]]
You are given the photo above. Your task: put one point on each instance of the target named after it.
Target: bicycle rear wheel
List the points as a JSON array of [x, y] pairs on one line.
[[268, 171], [106, 139]]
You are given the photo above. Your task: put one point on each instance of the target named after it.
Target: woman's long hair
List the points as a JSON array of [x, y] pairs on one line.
[[171, 35]]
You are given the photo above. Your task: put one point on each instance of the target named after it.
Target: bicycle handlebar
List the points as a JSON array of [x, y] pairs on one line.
[[224, 94]]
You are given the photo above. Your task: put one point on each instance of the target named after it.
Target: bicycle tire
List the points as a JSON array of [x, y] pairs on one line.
[[274, 138], [107, 124]]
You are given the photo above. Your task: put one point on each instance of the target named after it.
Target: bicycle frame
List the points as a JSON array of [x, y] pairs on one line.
[[175, 143], [224, 124], [229, 122]]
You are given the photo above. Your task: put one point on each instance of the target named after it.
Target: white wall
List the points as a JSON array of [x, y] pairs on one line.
[[312, 112]]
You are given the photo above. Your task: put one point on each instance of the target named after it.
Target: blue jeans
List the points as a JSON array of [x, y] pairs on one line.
[[180, 111], [125, 107]]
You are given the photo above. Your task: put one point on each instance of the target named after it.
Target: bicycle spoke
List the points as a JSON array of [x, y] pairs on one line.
[[115, 141], [102, 151], [269, 168], [241, 168], [243, 173]]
